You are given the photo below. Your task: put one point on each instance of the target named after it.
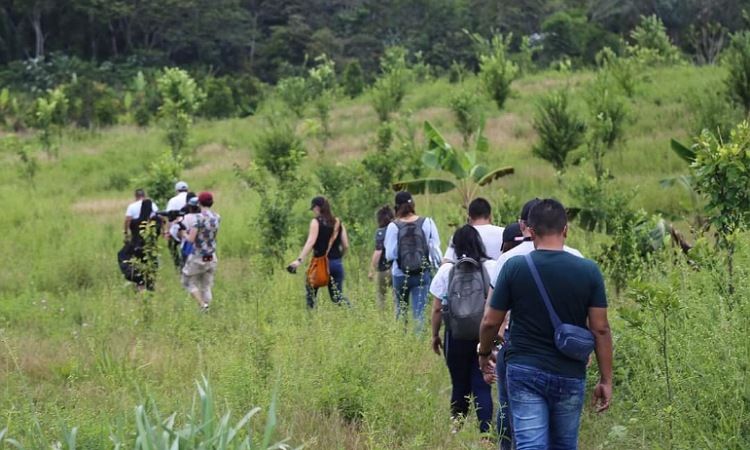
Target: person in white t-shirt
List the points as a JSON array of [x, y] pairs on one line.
[[460, 354], [480, 217], [504, 425], [134, 211], [175, 203]]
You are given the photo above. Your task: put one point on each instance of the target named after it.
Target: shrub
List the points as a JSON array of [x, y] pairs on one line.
[[279, 150], [160, 177], [623, 70], [457, 72], [181, 98], [737, 61], [607, 114], [652, 45], [92, 104], [464, 105], [293, 92], [219, 99], [496, 71], [354, 80], [247, 92], [50, 117], [559, 128], [389, 90]]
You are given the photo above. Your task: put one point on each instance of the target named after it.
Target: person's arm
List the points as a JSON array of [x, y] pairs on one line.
[[126, 231], [312, 236], [599, 326], [437, 319], [193, 233], [374, 263], [344, 240], [450, 253], [434, 236]]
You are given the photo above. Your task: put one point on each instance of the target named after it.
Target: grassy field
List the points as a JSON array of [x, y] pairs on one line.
[[80, 349]]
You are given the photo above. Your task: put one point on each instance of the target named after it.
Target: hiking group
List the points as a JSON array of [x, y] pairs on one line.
[[190, 227], [492, 283]]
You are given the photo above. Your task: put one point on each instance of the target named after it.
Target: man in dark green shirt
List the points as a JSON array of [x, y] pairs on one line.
[[546, 388]]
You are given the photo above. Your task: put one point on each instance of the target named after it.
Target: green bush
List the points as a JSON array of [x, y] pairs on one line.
[[181, 99], [652, 44], [354, 80], [279, 150], [496, 71], [294, 93], [465, 108], [92, 104], [248, 93], [219, 101], [737, 61], [457, 72], [560, 129]]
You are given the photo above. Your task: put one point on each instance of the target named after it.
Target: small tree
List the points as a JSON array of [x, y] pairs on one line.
[[464, 106], [737, 61], [322, 85], [390, 89], [652, 44], [721, 174], [559, 128], [608, 114], [623, 70], [293, 92], [160, 177], [49, 117], [181, 98], [496, 70], [354, 81], [29, 165], [468, 175]]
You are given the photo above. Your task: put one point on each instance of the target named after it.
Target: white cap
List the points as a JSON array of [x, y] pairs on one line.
[[181, 186]]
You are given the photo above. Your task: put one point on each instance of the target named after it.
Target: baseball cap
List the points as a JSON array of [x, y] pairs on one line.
[[527, 207], [512, 233], [180, 186], [193, 201], [317, 201], [403, 197], [205, 197]]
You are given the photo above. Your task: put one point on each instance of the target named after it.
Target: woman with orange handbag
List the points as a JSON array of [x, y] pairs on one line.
[[327, 239]]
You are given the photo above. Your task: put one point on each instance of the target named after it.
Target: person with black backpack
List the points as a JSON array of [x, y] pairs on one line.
[[378, 264], [460, 291], [408, 241]]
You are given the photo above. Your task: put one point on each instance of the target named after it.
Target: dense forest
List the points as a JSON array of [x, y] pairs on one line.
[[272, 39]]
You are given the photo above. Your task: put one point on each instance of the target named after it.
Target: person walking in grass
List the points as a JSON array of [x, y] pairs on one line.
[[380, 267], [133, 212], [174, 205], [326, 234], [517, 241], [200, 266], [480, 217], [407, 244], [461, 354], [546, 388]]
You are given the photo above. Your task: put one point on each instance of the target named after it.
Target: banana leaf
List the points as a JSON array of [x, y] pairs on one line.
[[424, 185], [494, 174], [685, 153]]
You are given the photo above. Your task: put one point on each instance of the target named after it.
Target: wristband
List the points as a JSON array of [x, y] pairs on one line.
[[483, 354]]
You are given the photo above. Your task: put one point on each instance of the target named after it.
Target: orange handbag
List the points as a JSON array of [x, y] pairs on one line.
[[318, 273]]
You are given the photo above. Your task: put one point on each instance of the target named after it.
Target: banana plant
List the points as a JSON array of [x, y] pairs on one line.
[[464, 173]]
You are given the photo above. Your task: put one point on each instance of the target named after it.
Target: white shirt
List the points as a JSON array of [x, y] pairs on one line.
[[439, 285], [524, 248], [134, 209], [492, 238], [177, 202]]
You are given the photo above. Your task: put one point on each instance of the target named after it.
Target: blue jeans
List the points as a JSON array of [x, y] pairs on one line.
[[335, 287], [467, 380], [504, 422], [418, 286], [546, 408]]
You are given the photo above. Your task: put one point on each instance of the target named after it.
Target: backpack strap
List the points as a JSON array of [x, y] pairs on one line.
[[334, 235], [554, 318]]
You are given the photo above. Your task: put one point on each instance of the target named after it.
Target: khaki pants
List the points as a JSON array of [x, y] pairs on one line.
[[198, 275], [384, 282]]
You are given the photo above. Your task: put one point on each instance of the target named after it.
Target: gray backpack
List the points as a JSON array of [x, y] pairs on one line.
[[468, 285]]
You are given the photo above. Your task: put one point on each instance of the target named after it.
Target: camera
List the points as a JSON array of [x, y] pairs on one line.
[[171, 215], [291, 269]]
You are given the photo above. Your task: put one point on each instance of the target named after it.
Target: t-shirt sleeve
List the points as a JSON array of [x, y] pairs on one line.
[[130, 211], [501, 294], [598, 292], [391, 242], [380, 239], [450, 252], [432, 232], [496, 270], [439, 285]]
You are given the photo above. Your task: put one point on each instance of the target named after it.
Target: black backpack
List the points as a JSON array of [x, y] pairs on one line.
[[413, 252], [468, 285]]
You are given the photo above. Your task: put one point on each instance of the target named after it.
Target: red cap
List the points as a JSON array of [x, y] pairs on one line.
[[205, 198]]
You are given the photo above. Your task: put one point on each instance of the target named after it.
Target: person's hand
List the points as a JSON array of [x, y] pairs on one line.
[[294, 264], [602, 396], [437, 344], [371, 276], [489, 374]]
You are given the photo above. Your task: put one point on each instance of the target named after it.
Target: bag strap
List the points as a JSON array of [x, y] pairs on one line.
[[556, 322], [334, 235]]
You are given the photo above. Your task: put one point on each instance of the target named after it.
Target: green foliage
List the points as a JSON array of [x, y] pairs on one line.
[[140, 100], [624, 70], [181, 98], [464, 106], [457, 72], [279, 150], [524, 57], [710, 110], [467, 173], [92, 104], [294, 93], [559, 128], [600, 205], [49, 117], [29, 165], [388, 92], [608, 113], [322, 84], [354, 80], [496, 70], [160, 177], [737, 61], [652, 45], [219, 101]]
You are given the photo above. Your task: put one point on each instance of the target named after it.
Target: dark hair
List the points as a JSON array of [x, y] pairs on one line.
[[467, 242], [480, 208], [191, 209], [548, 217], [326, 217], [139, 193], [146, 209], [384, 216], [405, 209]]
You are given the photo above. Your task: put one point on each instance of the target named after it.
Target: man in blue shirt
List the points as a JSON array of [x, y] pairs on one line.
[[546, 388]]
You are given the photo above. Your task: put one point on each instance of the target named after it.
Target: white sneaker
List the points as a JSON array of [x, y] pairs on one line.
[[204, 308]]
